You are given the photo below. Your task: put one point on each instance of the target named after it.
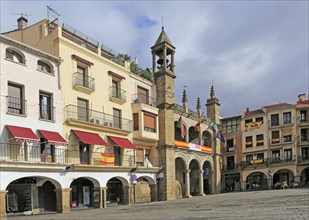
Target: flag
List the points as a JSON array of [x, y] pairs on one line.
[[220, 136], [182, 127], [216, 129], [107, 158], [197, 127]]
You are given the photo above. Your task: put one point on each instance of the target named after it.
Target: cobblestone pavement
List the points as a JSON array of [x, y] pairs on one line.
[[271, 204]]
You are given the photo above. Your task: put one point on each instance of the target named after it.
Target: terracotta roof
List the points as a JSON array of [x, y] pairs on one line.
[[304, 102], [277, 106], [248, 114]]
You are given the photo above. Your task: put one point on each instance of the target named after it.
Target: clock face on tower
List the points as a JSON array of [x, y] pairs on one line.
[[169, 92]]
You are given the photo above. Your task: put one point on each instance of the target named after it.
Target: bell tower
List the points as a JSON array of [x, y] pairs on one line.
[[163, 69]]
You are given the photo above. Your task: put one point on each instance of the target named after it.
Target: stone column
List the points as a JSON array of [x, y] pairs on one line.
[[63, 200], [103, 193], [3, 204], [201, 183], [187, 182], [154, 192], [243, 186], [270, 183], [127, 191]]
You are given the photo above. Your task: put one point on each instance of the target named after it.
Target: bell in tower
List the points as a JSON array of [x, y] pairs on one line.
[[163, 55]]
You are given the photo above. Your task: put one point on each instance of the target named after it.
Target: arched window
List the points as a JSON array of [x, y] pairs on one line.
[[44, 67], [14, 56]]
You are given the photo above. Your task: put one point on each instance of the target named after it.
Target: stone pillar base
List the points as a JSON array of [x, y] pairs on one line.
[[188, 196], [3, 204], [201, 194]]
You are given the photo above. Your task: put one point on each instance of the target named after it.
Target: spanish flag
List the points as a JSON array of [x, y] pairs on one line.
[[107, 158]]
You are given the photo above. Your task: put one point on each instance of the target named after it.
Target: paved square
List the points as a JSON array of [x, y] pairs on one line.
[[272, 204]]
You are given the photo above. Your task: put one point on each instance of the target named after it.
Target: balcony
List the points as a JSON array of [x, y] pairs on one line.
[[83, 83], [16, 106], [117, 95], [99, 119], [281, 160], [142, 98], [47, 112], [229, 149], [230, 167], [304, 159], [19, 153]]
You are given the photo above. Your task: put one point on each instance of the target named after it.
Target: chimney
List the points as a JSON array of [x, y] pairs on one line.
[[22, 23], [247, 109], [302, 97]]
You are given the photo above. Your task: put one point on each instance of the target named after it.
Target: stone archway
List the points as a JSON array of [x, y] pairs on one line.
[[32, 195], [145, 190], [194, 177], [304, 177], [84, 193], [117, 191], [256, 181], [207, 140], [180, 172], [208, 178], [283, 175]]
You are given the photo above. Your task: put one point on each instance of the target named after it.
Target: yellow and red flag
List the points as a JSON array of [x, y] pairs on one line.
[[107, 158]]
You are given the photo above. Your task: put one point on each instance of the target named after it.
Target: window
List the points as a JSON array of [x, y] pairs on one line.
[[275, 137], [248, 141], [230, 125], [303, 115], [248, 122], [259, 120], [82, 109], [143, 95], [149, 123], [117, 118], [287, 154], [16, 103], [249, 159], [287, 138], [275, 120], [44, 67], [14, 56], [260, 156], [46, 107], [303, 134], [305, 153], [230, 145], [140, 156], [259, 140], [275, 155], [230, 163], [135, 121], [287, 118], [82, 76], [84, 153], [115, 89]]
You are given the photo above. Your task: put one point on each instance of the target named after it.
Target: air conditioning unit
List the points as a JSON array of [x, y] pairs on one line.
[[105, 123], [95, 121]]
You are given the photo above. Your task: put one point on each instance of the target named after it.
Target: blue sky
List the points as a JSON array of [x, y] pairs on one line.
[[255, 53]]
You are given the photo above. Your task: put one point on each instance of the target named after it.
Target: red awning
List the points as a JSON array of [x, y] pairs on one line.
[[53, 137], [123, 142], [89, 138], [22, 134]]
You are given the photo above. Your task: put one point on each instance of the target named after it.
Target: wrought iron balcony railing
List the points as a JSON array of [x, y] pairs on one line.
[[142, 98], [16, 105], [83, 80], [96, 117], [118, 93]]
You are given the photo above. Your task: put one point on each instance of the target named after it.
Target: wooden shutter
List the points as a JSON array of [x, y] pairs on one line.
[[140, 155], [150, 121]]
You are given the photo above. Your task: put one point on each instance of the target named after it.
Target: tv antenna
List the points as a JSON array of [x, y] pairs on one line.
[[21, 14], [52, 12]]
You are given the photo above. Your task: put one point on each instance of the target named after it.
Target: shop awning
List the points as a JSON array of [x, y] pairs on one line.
[[53, 137], [89, 138], [123, 142], [22, 134]]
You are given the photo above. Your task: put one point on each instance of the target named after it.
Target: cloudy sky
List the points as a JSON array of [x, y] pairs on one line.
[[255, 53]]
